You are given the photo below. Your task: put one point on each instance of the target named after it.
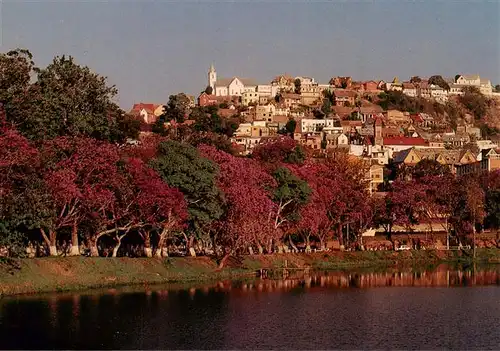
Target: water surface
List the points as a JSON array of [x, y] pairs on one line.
[[416, 310]]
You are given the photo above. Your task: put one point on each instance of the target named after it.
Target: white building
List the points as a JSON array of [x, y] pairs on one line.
[[229, 86], [311, 125]]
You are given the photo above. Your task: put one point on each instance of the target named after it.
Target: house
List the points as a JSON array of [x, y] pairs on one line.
[[484, 85], [345, 97], [465, 79], [398, 117], [409, 89], [343, 112], [376, 177], [403, 143], [211, 100], [229, 86], [341, 82], [439, 94], [265, 113], [395, 85], [249, 97], [310, 125], [291, 100], [149, 113], [456, 140], [424, 90], [369, 111], [371, 86]]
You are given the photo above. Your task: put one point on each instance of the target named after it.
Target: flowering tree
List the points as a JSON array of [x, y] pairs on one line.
[[248, 205]]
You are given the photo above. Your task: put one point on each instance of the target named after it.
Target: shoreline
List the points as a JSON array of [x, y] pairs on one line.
[[44, 275]]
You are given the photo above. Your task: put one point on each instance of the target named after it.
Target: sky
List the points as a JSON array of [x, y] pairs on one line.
[[152, 49]]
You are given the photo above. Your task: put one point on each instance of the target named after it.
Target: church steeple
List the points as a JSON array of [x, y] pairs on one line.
[[212, 77]]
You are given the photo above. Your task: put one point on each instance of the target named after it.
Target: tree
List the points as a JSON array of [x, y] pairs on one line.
[[497, 88], [415, 79], [159, 207], [279, 150], [176, 109], [209, 90], [68, 99], [181, 166], [492, 200], [21, 190], [16, 68], [246, 188], [428, 167], [475, 101], [326, 108], [439, 81], [290, 126], [290, 194], [297, 83]]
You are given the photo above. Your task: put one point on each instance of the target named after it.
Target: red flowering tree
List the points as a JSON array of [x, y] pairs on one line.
[[248, 205], [158, 206]]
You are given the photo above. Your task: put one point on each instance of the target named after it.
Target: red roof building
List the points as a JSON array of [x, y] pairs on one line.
[[404, 141]]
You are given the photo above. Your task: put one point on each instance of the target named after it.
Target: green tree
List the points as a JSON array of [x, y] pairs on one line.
[[474, 101], [439, 81], [209, 90], [426, 167], [290, 126], [177, 108], [415, 79], [497, 88], [297, 84], [326, 108], [290, 194], [16, 67], [66, 99], [181, 166]]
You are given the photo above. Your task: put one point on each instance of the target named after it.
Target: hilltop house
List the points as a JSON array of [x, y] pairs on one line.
[[147, 112]]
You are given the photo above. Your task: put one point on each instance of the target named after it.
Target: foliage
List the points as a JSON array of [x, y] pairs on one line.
[[439, 81], [181, 166], [399, 101], [176, 109], [427, 167], [297, 83], [208, 90], [279, 150], [290, 126], [474, 101]]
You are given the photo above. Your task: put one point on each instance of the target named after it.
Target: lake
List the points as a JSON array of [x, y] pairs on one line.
[[324, 310]]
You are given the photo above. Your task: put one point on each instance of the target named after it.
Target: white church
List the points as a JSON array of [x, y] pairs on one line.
[[236, 86]]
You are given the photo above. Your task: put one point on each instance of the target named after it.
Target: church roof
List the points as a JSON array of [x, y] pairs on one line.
[[224, 82]]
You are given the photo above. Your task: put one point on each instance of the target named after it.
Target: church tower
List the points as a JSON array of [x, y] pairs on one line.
[[212, 78]]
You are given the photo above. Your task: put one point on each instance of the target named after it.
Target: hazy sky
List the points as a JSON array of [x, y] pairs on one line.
[[151, 49]]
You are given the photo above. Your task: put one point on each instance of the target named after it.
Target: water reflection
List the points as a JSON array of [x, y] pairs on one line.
[[314, 311]]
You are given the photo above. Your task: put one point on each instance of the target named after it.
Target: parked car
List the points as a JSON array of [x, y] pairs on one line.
[[403, 248]]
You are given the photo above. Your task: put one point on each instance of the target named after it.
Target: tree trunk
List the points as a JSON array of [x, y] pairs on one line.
[[341, 235], [50, 241], [94, 251], [308, 244], [192, 252], [270, 247], [161, 244], [250, 250], [261, 249], [75, 249], [52, 250], [224, 260], [280, 249], [147, 244], [295, 249], [115, 249]]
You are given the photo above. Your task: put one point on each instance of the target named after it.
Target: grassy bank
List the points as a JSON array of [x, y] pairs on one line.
[[73, 273]]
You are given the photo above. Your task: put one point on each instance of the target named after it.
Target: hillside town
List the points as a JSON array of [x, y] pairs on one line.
[[348, 116]]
